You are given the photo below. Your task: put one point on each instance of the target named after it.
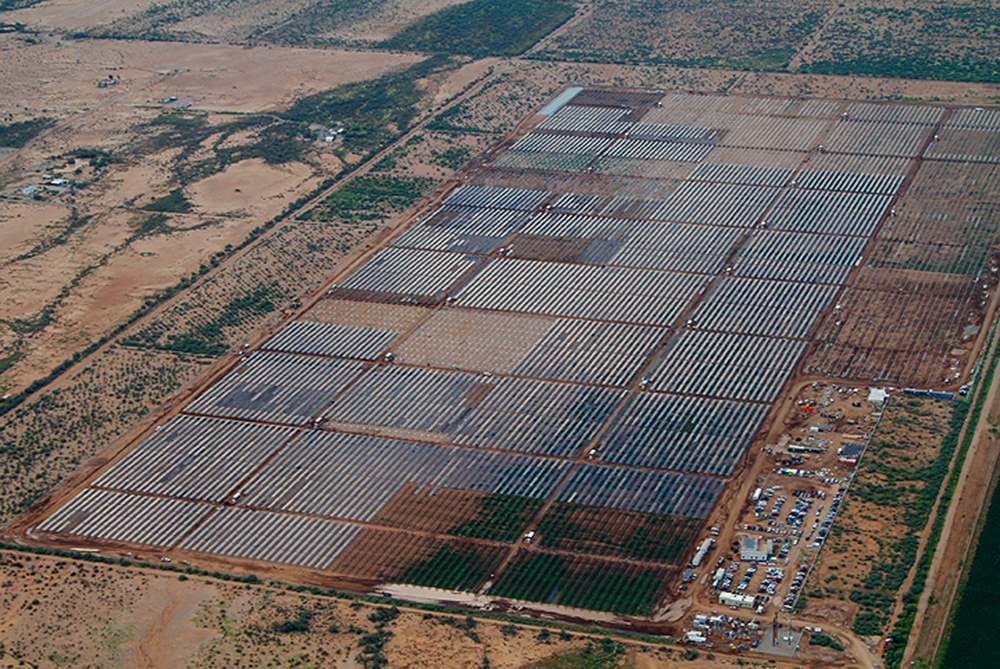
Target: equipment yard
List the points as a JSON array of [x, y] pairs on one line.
[[643, 323]]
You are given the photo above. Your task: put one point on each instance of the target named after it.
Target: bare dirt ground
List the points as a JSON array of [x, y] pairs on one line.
[[236, 22], [392, 17], [128, 270], [958, 536], [149, 619], [108, 269], [163, 626], [61, 77], [70, 15]]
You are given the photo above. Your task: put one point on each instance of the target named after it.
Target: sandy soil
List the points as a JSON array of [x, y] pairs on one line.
[[135, 619], [19, 236], [72, 15], [116, 272], [392, 17], [130, 270], [150, 619], [249, 188], [128, 184], [237, 22], [959, 534], [162, 625], [462, 78], [62, 77]]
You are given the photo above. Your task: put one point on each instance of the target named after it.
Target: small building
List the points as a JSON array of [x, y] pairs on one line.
[[801, 448], [755, 549], [877, 396], [702, 552], [694, 636], [736, 599], [850, 452]]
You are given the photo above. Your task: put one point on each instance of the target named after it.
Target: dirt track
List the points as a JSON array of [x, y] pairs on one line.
[[961, 523]]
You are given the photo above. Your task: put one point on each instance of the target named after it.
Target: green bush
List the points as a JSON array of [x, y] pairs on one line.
[[483, 27], [297, 624], [368, 199], [372, 113], [174, 202], [911, 67], [826, 641], [383, 615], [16, 135]]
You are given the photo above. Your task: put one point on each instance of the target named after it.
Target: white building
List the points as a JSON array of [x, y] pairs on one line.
[[736, 599], [702, 551], [755, 549], [877, 395], [694, 636]]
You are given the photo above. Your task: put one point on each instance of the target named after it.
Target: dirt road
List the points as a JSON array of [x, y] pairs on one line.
[[163, 632], [971, 495]]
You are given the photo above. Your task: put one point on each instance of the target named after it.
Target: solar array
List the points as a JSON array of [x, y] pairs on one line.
[[584, 339]]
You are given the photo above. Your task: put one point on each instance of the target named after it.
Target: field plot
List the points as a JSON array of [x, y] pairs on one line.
[[258, 535], [196, 458], [695, 32], [362, 315], [721, 364], [115, 516], [409, 274], [457, 338], [327, 339], [911, 314], [681, 433], [277, 387], [798, 256], [568, 579], [580, 291], [463, 230], [543, 387]]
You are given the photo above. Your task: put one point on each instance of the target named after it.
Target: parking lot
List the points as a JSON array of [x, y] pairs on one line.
[[788, 516]]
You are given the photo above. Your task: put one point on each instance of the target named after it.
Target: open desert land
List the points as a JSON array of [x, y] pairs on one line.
[[147, 618], [193, 193]]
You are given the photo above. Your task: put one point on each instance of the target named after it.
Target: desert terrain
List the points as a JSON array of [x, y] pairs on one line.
[[180, 178], [142, 617]]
